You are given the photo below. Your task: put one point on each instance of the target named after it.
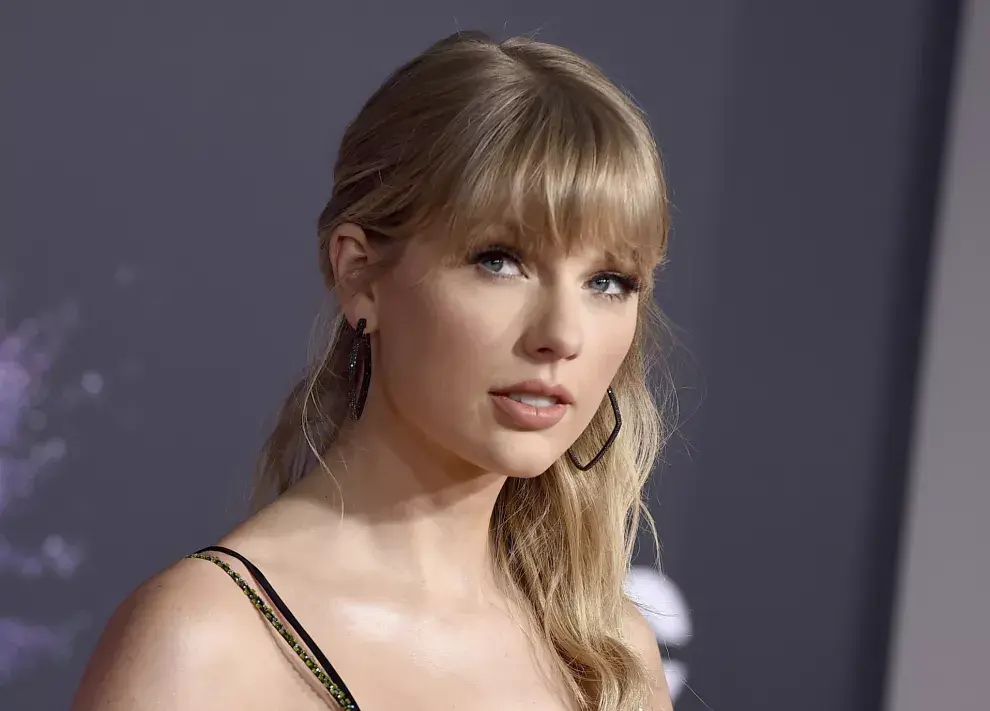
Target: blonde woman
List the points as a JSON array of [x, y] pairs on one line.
[[448, 501]]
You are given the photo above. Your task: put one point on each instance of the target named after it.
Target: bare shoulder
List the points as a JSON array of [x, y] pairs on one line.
[[644, 641], [187, 638]]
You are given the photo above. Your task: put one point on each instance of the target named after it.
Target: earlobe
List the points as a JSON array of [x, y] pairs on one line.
[[350, 256]]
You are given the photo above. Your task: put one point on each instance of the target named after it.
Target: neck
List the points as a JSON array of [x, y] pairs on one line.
[[411, 512]]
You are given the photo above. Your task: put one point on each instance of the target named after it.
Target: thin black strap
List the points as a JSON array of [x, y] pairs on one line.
[[287, 615]]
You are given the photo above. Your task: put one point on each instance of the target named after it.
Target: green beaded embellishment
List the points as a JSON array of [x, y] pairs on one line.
[[338, 694]]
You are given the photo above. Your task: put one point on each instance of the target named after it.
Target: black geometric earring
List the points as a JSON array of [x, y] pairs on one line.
[[360, 356], [608, 442]]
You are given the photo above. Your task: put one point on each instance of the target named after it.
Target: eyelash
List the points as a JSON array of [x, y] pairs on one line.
[[629, 283]]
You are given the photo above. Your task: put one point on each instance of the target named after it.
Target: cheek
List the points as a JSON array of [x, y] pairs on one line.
[[610, 338], [607, 346], [438, 342], [430, 329]]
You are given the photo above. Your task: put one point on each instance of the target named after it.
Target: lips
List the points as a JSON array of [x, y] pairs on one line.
[[539, 389], [531, 405]]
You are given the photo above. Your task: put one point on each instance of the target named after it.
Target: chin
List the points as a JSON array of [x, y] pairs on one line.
[[525, 474], [521, 460]]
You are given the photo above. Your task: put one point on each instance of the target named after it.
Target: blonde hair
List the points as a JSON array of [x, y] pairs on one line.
[[527, 136]]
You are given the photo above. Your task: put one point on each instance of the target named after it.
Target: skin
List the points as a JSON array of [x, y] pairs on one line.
[[394, 584]]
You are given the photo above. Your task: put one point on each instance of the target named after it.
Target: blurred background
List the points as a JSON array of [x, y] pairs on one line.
[[822, 508]]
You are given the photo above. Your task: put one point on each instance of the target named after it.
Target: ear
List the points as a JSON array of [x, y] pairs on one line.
[[351, 254]]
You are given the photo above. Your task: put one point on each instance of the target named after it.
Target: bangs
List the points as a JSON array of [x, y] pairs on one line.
[[555, 174]]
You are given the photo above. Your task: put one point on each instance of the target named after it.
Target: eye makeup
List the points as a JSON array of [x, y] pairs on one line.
[[500, 261]]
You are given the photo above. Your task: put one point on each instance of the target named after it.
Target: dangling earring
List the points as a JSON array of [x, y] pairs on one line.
[[608, 442], [360, 351]]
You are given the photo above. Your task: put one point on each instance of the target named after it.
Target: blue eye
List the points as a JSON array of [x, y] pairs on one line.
[[498, 262], [616, 286]]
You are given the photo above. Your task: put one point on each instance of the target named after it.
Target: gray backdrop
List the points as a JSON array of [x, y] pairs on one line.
[[163, 165], [939, 655]]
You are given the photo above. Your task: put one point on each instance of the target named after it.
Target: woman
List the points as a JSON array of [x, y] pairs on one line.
[[458, 479]]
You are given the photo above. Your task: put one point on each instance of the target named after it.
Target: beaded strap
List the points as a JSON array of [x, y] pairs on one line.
[[338, 694]]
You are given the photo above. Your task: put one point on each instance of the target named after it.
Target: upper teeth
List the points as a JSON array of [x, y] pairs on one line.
[[534, 400]]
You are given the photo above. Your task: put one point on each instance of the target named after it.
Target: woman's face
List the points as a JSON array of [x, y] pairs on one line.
[[503, 358]]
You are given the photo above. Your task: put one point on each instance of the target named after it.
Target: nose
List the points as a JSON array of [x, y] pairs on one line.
[[556, 330]]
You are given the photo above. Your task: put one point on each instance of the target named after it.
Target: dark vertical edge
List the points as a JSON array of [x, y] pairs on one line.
[[908, 324]]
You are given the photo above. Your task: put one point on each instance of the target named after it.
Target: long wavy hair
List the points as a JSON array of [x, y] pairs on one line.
[[474, 133]]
